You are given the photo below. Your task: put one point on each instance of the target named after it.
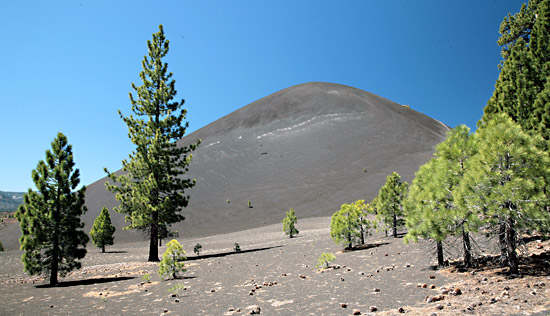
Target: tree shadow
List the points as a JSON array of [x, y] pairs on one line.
[[366, 246], [223, 254], [116, 251], [86, 282], [529, 265]]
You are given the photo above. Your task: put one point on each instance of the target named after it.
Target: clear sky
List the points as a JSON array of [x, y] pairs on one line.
[[67, 66]]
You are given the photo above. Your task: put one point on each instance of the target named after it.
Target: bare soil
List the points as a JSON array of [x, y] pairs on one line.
[[278, 275]]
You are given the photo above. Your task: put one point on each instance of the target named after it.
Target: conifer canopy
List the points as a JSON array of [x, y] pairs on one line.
[[52, 238]]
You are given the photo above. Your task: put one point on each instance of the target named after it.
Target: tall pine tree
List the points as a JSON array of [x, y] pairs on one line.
[[52, 237], [151, 189], [522, 89]]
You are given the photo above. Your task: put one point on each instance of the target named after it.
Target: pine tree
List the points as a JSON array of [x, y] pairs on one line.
[[151, 190], [289, 223], [346, 224], [425, 214], [52, 237], [431, 207], [521, 90], [102, 232], [171, 263], [506, 183], [390, 198]]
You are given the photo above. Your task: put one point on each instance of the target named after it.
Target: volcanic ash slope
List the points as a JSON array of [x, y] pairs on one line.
[[311, 147]]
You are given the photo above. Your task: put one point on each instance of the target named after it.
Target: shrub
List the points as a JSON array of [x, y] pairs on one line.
[[197, 249], [237, 248], [171, 263], [325, 259], [289, 223]]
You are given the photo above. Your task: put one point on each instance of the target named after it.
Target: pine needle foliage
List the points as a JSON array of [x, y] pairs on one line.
[[172, 260], [324, 260], [289, 224], [102, 232], [507, 184], [151, 188], [390, 202], [52, 240], [348, 224]]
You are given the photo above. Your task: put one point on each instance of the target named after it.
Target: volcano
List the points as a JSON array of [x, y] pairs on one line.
[[310, 147]]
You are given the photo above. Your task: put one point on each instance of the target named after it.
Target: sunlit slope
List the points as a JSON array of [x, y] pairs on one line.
[[311, 147]]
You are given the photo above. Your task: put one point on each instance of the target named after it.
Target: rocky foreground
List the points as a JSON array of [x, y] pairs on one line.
[[274, 275]]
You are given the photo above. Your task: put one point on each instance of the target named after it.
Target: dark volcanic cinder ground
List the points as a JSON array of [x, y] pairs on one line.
[[220, 282]]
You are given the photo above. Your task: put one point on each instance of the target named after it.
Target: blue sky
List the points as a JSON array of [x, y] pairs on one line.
[[68, 65]]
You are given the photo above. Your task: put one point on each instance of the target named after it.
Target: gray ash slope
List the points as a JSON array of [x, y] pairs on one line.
[[305, 147]]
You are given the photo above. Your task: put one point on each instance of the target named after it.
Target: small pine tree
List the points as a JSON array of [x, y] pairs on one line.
[[346, 225], [390, 206], [197, 249], [237, 248], [1, 247], [289, 223], [324, 260], [102, 232], [171, 263], [52, 238]]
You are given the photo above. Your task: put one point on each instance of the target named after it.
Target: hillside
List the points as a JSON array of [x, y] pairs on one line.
[[311, 147], [10, 201]]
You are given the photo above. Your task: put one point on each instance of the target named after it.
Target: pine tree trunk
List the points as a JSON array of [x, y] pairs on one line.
[[467, 248], [153, 244], [394, 225], [362, 235], [513, 261], [103, 249], [440, 261], [55, 251], [502, 244]]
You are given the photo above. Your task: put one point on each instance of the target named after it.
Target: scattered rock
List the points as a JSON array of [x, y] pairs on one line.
[[439, 306], [424, 285], [356, 312], [343, 305], [342, 279], [407, 265], [376, 290], [255, 310], [231, 309], [212, 290], [302, 276], [177, 300], [373, 309], [432, 276], [456, 291], [283, 274], [165, 311], [401, 310], [540, 284], [385, 255], [435, 298], [361, 273], [432, 286]]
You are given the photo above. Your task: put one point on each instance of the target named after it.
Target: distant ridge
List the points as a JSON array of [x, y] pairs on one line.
[[311, 147]]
